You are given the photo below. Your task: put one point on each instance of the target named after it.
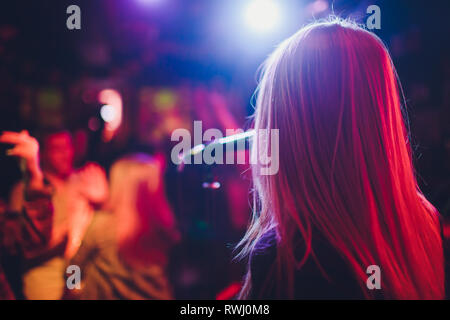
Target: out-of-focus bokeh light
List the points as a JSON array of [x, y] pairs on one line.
[[317, 7], [108, 113], [94, 124], [149, 2], [111, 112], [262, 15], [211, 185], [164, 99]]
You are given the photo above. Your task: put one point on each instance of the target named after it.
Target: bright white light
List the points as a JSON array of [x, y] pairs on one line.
[[149, 2], [111, 112], [262, 15], [108, 113]]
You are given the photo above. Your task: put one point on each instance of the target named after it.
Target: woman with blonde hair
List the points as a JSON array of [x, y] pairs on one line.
[[345, 197], [125, 251]]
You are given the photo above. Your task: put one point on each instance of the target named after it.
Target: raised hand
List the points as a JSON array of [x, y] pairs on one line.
[[93, 182], [27, 149]]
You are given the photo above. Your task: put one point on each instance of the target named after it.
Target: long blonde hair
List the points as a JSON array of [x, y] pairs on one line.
[[345, 165]]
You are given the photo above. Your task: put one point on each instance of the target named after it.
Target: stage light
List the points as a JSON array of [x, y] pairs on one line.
[[211, 185], [149, 2], [108, 113], [262, 15], [111, 111]]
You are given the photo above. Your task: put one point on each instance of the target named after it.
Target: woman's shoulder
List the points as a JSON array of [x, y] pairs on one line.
[[326, 275]]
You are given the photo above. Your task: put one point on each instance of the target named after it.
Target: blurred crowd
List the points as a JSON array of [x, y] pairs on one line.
[[118, 233], [122, 234], [144, 230]]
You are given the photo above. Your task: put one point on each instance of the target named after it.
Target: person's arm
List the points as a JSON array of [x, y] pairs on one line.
[[31, 225], [26, 148], [16, 197], [93, 183], [36, 219], [96, 234]]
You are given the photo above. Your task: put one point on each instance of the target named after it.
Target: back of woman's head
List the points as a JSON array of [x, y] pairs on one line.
[[345, 164]]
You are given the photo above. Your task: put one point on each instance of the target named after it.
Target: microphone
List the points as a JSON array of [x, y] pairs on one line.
[[242, 136]]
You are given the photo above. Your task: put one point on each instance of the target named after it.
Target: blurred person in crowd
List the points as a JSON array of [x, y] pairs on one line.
[[76, 194], [345, 197], [27, 230], [125, 250]]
